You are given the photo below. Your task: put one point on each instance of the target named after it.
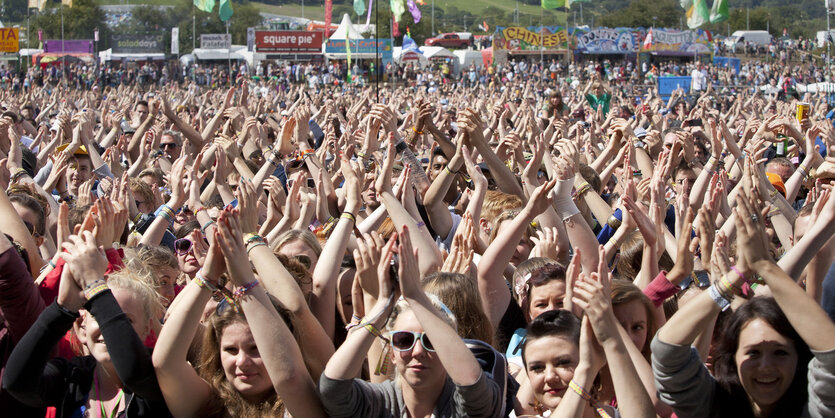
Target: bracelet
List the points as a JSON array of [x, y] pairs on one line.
[[446, 168], [579, 390], [349, 216], [241, 291], [727, 285], [205, 227], [166, 212], [203, 282], [250, 237], [414, 128], [373, 330], [720, 299], [584, 187], [361, 154], [18, 174], [137, 218], [201, 208], [93, 289], [739, 273], [256, 245], [614, 222]]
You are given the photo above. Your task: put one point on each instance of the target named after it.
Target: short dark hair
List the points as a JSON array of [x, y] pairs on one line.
[[556, 323], [141, 102]]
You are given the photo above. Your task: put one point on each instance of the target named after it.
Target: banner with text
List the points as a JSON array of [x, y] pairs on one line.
[[680, 42], [283, 41], [137, 44], [215, 41], [607, 40], [530, 39], [9, 39], [175, 41]]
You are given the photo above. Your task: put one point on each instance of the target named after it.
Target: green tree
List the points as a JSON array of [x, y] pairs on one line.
[[79, 22]]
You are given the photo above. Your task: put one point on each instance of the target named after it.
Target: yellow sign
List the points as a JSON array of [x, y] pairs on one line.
[[9, 40], [532, 38]]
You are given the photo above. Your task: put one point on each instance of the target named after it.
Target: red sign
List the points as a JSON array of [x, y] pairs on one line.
[[283, 41]]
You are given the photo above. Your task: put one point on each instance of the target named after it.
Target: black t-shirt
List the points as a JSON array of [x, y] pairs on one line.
[[512, 320]]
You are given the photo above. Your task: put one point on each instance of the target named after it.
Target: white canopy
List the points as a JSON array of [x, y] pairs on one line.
[[436, 52], [403, 57], [346, 27], [108, 55], [220, 53], [28, 52]]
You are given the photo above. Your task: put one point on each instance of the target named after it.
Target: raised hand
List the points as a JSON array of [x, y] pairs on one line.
[[85, 259]]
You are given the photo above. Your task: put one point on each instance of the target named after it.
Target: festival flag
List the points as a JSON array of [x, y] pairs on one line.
[[348, 50], [552, 4], [395, 27], [67, 3], [397, 9], [205, 5], [328, 17], [648, 40], [413, 9], [359, 6], [719, 12], [697, 12], [225, 10], [409, 44]]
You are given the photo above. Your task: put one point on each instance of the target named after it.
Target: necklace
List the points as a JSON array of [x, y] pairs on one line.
[[102, 411]]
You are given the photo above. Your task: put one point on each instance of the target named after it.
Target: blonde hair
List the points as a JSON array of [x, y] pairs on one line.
[[302, 235], [496, 202], [138, 282], [152, 258]]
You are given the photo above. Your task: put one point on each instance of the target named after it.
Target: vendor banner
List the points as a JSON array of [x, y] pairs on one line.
[[361, 46], [77, 46], [137, 44], [9, 39], [282, 41], [680, 42], [607, 40], [215, 41], [531, 38]]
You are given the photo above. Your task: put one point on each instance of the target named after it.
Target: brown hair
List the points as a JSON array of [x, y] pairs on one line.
[[142, 189], [460, 295], [631, 252], [228, 401], [496, 202], [302, 235], [624, 291]]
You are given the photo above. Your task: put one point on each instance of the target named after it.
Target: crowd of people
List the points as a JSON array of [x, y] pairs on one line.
[[525, 247]]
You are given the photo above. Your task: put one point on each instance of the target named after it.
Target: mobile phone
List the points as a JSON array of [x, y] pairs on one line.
[[311, 183], [233, 204]]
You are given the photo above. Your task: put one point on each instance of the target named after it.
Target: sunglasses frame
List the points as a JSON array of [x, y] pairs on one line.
[[190, 245], [415, 337]]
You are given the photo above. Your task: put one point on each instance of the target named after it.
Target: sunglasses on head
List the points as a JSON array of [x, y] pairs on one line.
[[406, 340]]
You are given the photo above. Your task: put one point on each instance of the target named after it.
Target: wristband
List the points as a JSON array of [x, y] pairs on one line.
[[717, 297], [250, 237], [241, 291], [579, 390], [256, 245], [205, 227], [349, 216], [446, 168], [93, 289]]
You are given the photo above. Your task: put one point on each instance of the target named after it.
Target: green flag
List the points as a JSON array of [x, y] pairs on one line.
[[697, 12], [552, 4], [359, 6], [205, 5], [348, 50], [225, 10], [719, 12]]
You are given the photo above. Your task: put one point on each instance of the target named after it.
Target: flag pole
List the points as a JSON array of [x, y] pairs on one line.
[[63, 56], [541, 44]]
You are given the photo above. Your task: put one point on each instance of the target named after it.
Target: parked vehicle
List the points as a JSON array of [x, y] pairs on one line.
[[452, 40], [756, 37]]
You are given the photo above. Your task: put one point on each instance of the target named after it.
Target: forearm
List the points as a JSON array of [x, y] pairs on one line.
[[323, 299], [180, 326], [430, 259], [683, 327], [346, 362], [504, 178], [110, 138], [633, 399], [795, 260], [459, 362], [809, 320], [436, 208], [581, 236], [697, 193]]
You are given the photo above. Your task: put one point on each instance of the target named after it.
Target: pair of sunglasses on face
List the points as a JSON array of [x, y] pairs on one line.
[[183, 245], [406, 340]]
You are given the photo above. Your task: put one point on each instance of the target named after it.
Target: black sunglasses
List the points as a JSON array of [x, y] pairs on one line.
[[168, 145]]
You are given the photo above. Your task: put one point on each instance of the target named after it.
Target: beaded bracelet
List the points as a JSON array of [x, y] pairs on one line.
[[93, 289], [251, 237], [241, 291]]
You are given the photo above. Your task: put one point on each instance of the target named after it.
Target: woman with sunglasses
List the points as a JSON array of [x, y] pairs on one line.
[[252, 365], [436, 372]]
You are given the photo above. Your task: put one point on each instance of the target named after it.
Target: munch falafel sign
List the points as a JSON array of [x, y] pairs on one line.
[[137, 44]]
